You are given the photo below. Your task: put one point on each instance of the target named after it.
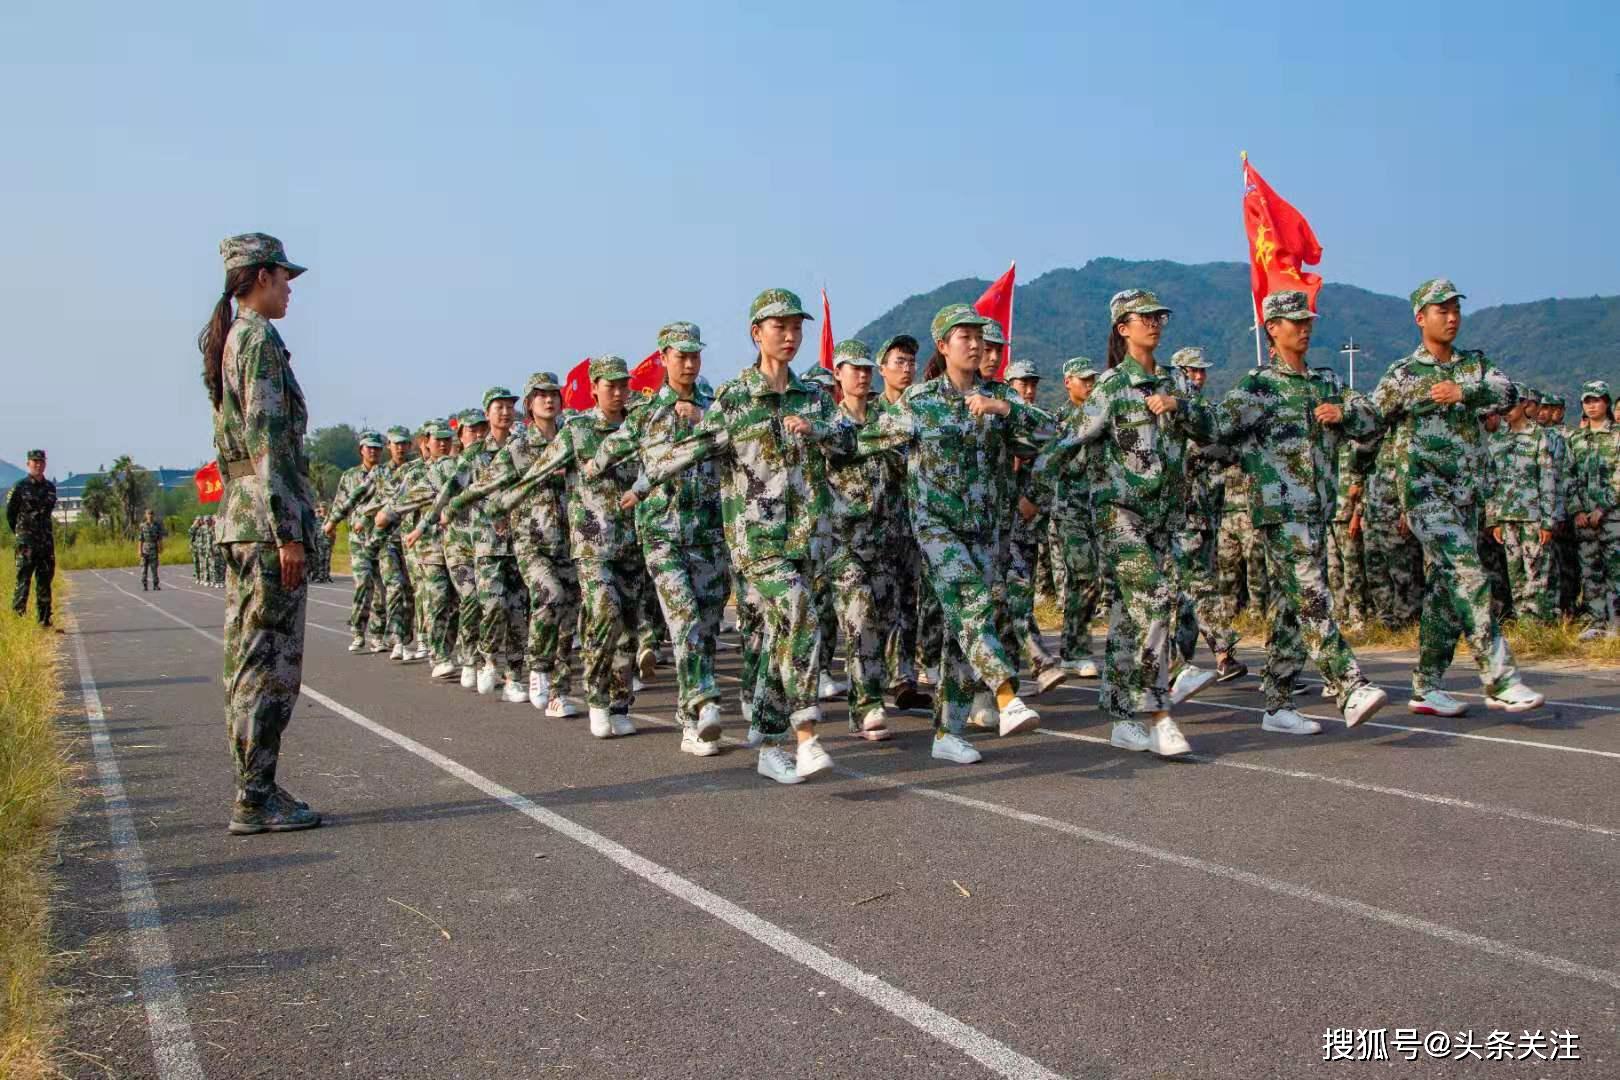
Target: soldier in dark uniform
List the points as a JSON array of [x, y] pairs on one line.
[[150, 539], [28, 512]]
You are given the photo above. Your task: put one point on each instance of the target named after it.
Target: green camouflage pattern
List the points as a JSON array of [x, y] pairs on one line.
[[1289, 304], [1443, 446], [953, 315], [256, 249], [1434, 291], [29, 506], [777, 304], [1133, 302], [685, 510]]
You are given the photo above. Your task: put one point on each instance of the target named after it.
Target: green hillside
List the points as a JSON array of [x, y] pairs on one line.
[[1065, 312]]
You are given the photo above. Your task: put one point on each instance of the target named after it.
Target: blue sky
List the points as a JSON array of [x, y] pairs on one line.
[[484, 190]]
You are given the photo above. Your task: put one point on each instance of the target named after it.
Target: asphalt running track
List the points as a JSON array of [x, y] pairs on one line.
[[496, 894]]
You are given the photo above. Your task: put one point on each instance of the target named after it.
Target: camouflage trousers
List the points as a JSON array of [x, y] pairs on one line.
[[149, 568], [393, 606], [1347, 578], [1599, 548], [1302, 622], [216, 564], [1456, 600], [1566, 568], [502, 612], [196, 561], [1136, 659], [826, 616], [930, 621], [904, 571], [438, 598], [960, 573], [863, 593], [611, 612], [553, 585], [1394, 566], [1240, 565], [1199, 604], [780, 644], [690, 586], [1024, 555], [466, 627], [264, 663], [1530, 571], [1493, 560], [366, 608], [1079, 584], [36, 566]]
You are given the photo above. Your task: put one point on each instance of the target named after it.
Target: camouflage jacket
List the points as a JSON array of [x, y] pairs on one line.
[[1524, 478], [1206, 484], [485, 520], [1287, 454], [862, 498], [683, 511], [1381, 501], [416, 493], [1071, 492], [896, 516], [354, 490], [1444, 444], [598, 530], [260, 420], [406, 513], [1355, 459], [1595, 462], [1563, 468], [453, 474], [1142, 457], [195, 533], [28, 510], [535, 514], [773, 485], [150, 537]]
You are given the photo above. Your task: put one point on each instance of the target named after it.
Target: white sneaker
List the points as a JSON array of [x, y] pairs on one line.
[[1051, 677], [708, 722], [1166, 739], [1085, 669], [601, 723], [539, 689], [1017, 717], [1129, 735], [398, 652], [562, 706], [636, 685], [694, 744], [1288, 722], [1591, 633], [875, 727], [513, 691], [415, 654], [754, 738], [1189, 680], [376, 645], [811, 758], [1436, 703], [777, 764], [622, 724], [1516, 698], [829, 688], [1363, 702], [469, 676], [357, 644], [442, 671], [486, 679], [954, 748], [646, 664], [983, 713]]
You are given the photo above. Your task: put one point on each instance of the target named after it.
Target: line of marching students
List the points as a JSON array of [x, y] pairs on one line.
[[917, 522]]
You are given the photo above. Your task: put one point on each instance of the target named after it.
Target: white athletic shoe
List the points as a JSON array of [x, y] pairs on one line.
[[622, 724], [486, 679], [1436, 703], [983, 712], [376, 645], [1189, 680], [1516, 698], [601, 723], [1288, 722], [1052, 677], [777, 764], [417, 654], [811, 758], [539, 689], [1166, 739], [875, 726], [692, 743], [829, 688], [398, 651], [754, 738], [357, 644], [442, 671], [708, 722], [562, 707], [1363, 702], [1083, 669], [1017, 717], [1129, 735], [469, 676], [954, 748], [513, 691]]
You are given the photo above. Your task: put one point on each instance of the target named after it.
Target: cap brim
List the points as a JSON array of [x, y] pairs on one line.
[[686, 346], [860, 363], [293, 269]]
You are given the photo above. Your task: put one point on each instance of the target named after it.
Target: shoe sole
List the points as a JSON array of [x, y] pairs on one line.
[[878, 735], [1194, 692], [1290, 731], [1491, 703], [1430, 710], [956, 760], [239, 828], [794, 779], [1238, 674], [1043, 685], [805, 773], [1172, 753], [1127, 746], [1368, 715], [1028, 723]]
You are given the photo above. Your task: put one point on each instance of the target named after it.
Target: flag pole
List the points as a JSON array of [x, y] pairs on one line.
[[1259, 352]]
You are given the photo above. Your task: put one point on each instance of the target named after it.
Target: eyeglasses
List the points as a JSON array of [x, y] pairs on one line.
[[1153, 318]]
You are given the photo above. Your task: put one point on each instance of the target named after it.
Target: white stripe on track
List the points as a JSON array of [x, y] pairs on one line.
[[993, 1055], [173, 1050]]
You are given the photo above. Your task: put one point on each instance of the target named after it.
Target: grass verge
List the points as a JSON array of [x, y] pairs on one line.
[[108, 554], [33, 796]]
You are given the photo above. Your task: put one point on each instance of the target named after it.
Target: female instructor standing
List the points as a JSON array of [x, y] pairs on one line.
[[265, 520]]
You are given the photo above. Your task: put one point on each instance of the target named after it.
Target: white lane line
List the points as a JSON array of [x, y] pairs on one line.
[[993, 1055], [216, 594], [173, 1050]]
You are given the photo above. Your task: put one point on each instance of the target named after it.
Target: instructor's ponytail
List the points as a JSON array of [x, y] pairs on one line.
[[211, 341]]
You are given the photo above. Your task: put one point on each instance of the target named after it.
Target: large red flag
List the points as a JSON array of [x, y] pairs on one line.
[[826, 333], [576, 392], [997, 304], [1281, 242], [649, 374], [209, 485]]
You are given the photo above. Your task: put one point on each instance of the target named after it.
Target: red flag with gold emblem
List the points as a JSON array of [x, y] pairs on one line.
[[210, 487], [997, 304], [648, 375], [1281, 242], [576, 392], [826, 332]]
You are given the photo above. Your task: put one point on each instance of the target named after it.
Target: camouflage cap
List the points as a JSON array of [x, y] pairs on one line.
[[1020, 369], [256, 249], [609, 367], [1434, 291], [1133, 302], [372, 439], [1080, 367], [1550, 398], [776, 304], [498, 393], [474, 417], [818, 375], [954, 315], [852, 352], [1190, 357], [1595, 388], [441, 429], [680, 336], [992, 332], [36, 455], [1290, 304], [399, 433], [428, 425], [541, 381], [903, 342]]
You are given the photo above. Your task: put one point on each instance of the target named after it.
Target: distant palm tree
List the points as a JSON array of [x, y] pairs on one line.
[[98, 500], [132, 488]]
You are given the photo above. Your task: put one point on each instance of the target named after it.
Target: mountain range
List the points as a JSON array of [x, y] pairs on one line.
[[1552, 344], [10, 474]]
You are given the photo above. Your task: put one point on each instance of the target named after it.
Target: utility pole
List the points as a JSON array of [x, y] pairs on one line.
[[1349, 352]]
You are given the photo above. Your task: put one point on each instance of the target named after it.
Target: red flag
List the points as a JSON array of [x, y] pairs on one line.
[[455, 423], [1281, 242], [209, 485], [649, 374], [826, 333], [997, 304], [576, 393]]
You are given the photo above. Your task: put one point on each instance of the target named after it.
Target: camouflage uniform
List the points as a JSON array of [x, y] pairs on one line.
[[28, 513], [436, 595], [1080, 579], [194, 535], [150, 538], [1394, 561], [322, 553], [1199, 604], [259, 428], [1437, 490], [457, 621], [902, 565], [1525, 499], [356, 488], [1595, 459], [398, 605], [1565, 575], [216, 554], [1346, 551], [1240, 561]]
